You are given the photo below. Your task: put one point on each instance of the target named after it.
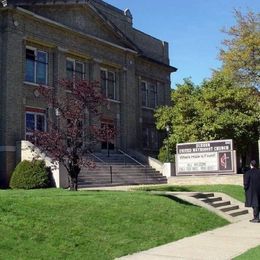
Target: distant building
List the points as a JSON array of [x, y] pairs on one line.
[[43, 41]]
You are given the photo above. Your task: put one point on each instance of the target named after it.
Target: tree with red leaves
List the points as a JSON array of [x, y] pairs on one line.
[[69, 108]]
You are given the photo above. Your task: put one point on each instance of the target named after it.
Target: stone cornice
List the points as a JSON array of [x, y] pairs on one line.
[[64, 27]]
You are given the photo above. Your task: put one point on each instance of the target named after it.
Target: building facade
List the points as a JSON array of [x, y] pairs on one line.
[[44, 41]]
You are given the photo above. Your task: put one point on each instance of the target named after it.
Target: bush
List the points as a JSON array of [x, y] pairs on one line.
[[30, 175], [163, 154]]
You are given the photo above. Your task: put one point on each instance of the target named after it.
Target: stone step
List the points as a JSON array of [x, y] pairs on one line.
[[121, 173], [84, 171], [104, 174], [120, 178], [103, 180], [203, 195], [210, 200], [122, 165], [126, 173], [238, 213], [115, 160], [229, 208], [220, 204], [107, 184], [111, 155], [136, 175], [89, 185]]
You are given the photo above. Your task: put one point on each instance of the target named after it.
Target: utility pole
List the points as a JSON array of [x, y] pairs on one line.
[[259, 152]]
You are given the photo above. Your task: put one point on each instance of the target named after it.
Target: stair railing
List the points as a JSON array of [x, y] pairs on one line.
[[130, 157], [102, 161], [95, 156]]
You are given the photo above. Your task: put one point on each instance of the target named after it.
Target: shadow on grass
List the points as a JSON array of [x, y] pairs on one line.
[[176, 188], [172, 197], [86, 193], [164, 188]]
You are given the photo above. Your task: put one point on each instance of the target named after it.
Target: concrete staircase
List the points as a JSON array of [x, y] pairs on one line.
[[222, 204], [118, 169], [219, 203]]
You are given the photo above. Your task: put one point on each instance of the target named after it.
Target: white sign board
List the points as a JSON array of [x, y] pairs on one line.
[[212, 156], [197, 162]]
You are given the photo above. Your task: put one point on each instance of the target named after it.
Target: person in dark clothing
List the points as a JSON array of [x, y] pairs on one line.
[[252, 190]]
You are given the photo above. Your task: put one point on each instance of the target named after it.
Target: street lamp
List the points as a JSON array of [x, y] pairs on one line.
[[167, 131], [57, 114], [4, 3]]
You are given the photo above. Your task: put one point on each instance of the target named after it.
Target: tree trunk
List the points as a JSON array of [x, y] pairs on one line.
[[73, 183], [73, 171]]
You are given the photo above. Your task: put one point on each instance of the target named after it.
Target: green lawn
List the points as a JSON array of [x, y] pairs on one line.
[[250, 254], [234, 191], [58, 224]]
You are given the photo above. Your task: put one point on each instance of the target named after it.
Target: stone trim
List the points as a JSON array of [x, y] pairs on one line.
[[38, 17], [7, 148]]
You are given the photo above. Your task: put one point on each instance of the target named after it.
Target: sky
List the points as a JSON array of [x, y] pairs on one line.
[[191, 27]]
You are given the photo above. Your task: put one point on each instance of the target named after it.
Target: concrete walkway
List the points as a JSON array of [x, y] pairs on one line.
[[223, 243]]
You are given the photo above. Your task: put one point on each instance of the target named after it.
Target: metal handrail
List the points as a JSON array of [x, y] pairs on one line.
[[110, 166], [99, 159], [130, 157]]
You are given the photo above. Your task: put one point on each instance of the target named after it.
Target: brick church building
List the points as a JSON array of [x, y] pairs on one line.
[[44, 41]]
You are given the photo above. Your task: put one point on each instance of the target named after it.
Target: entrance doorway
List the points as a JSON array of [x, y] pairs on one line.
[[108, 137]]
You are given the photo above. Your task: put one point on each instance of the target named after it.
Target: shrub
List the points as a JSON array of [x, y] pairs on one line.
[[30, 175], [162, 156]]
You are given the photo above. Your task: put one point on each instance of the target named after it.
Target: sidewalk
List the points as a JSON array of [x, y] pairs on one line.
[[223, 243]]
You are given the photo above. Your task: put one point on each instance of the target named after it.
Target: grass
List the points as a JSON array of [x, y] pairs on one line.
[[253, 253], [58, 224], [234, 191]]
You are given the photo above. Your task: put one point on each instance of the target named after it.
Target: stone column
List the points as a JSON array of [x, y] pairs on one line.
[[59, 65], [11, 99], [58, 73], [123, 109], [94, 70], [94, 75], [140, 113], [129, 105]]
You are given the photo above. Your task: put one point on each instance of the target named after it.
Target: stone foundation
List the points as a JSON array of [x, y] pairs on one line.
[[236, 179]]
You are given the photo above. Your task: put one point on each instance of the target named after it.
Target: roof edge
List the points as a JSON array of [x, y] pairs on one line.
[[54, 23]]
